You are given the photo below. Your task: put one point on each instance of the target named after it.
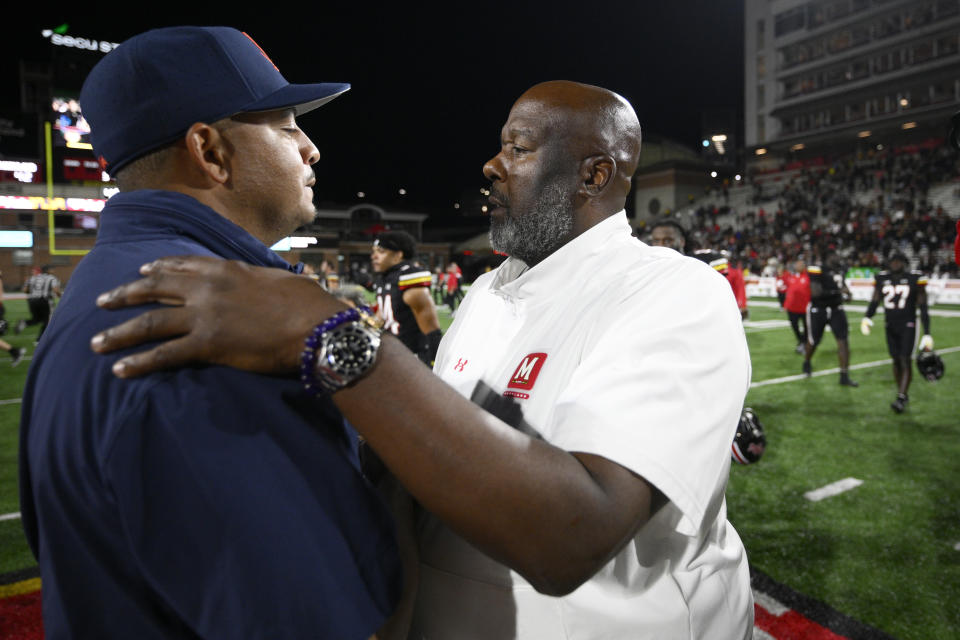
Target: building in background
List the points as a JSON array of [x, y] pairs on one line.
[[52, 187], [845, 74]]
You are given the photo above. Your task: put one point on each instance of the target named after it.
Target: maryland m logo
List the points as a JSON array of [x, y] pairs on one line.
[[527, 371]]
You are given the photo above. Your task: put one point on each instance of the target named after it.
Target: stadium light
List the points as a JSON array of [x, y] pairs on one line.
[[718, 140], [713, 174], [904, 102], [797, 147], [294, 242], [483, 208], [22, 171], [10, 165], [908, 125], [16, 238], [863, 134], [760, 151], [403, 192], [736, 177], [361, 194], [706, 143], [456, 205]]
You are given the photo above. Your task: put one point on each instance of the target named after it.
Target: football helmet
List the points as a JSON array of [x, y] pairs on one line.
[[750, 442], [930, 365]]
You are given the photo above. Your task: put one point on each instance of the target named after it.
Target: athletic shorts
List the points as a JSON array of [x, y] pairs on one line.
[[901, 339], [819, 317]]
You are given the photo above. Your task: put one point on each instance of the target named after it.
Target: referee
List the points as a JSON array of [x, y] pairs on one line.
[[41, 289]]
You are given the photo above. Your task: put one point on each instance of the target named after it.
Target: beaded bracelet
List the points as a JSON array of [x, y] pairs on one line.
[[308, 359]]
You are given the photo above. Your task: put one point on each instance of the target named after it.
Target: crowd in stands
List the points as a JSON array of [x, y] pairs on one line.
[[864, 206]]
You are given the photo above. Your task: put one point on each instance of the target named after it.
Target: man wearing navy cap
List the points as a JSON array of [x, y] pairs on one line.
[[205, 502]]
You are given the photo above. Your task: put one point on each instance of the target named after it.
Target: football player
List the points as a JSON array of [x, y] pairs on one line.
[[901, 292], [403, 295], [828, 291]]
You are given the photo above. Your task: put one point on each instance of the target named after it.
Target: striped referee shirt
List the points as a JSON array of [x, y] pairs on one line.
[[42, 285]]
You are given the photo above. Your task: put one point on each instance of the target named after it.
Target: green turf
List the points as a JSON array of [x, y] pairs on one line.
[[882, 553], [14, 553]]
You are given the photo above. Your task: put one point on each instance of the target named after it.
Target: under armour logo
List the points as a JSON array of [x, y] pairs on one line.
[[461, 363]]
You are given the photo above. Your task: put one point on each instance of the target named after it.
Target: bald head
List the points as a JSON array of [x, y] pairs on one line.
[[593, 119]]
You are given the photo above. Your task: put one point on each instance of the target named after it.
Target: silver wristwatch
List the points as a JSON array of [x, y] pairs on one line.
[[345, 354]]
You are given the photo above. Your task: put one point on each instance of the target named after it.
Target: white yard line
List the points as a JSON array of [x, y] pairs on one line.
[[832, 489], [10, 516], [826, 372], [943, 313]]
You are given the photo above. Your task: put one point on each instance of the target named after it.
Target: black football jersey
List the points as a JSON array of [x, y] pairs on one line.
[[398, 318], [831, 286], [898, 294]]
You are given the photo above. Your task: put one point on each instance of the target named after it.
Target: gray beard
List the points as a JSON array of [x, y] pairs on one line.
[[535, 235]]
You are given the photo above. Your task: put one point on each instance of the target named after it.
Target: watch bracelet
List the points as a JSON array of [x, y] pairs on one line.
[[318, 379], [308, 358]]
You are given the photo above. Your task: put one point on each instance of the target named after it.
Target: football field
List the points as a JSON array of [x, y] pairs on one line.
[[885, 551]]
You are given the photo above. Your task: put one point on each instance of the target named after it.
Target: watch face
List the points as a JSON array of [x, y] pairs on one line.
[[347, 352]]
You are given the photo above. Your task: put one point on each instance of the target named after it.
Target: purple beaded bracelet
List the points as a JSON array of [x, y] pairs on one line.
[[308, 359]]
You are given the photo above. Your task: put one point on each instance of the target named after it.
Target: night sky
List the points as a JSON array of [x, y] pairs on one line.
[[432, 87]]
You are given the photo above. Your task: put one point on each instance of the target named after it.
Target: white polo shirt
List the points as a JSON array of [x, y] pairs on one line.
[[630, 352]]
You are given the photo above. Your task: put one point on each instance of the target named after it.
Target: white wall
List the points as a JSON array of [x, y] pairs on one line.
[[939, 291]]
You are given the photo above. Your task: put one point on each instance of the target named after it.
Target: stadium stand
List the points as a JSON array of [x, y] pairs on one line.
[[864, 206]]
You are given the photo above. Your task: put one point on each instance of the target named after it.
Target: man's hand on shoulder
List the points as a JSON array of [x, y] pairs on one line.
[[210, 317]]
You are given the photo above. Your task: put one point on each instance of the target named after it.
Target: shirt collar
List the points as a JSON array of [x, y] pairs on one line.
[[515, 279], [132, 215]]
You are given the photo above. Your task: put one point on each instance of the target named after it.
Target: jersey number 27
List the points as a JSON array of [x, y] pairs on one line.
[[899, 291]]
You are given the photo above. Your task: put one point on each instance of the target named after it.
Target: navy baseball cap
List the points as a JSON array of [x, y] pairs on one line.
[[148, 91]]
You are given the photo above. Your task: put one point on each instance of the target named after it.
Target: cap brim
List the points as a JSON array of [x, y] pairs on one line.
[[300, 97]]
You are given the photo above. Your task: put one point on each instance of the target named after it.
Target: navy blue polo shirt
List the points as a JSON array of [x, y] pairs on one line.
[[203, 502]]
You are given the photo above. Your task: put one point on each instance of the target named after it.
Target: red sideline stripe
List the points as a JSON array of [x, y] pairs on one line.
[[791, 625], [20, 617]]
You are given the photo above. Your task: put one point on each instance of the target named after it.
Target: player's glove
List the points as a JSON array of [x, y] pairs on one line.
[[926, 343], [865, 325]]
